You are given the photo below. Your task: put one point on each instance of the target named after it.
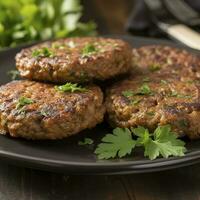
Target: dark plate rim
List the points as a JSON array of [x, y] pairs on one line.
[[118, 166]]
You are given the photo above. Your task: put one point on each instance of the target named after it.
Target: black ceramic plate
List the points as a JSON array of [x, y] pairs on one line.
[[67, 156]]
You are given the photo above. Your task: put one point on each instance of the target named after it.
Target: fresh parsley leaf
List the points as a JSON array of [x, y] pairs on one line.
[[22, 101], [14, 74], [70, 87], [128, 93], [88, 50], [43, 52], [142, 134], [164, 143], [120, 144], [86, 141]]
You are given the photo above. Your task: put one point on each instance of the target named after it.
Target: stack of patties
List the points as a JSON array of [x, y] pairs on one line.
[[64, 101], [163, 89]]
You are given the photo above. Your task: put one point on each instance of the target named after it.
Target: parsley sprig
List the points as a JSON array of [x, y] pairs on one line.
[[43, 52], [162, 142], [70, 87], [86, 141], [89, 49], [143, 90], [22, 101]]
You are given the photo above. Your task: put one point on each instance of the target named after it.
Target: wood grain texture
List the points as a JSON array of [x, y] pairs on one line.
[[26, 184]]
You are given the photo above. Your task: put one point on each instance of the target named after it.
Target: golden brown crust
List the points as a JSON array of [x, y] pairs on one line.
[[158, 59], [171, 101], [113, 57], [52, 115]]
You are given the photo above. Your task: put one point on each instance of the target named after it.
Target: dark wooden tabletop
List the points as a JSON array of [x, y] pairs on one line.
[[17, 183]]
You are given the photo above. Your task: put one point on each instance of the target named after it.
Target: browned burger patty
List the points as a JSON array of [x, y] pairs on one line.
[[154, 101], [75, 60], [38, 111], [169, 60]]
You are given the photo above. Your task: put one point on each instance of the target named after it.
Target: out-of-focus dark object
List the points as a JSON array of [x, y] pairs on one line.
[[178, 19]]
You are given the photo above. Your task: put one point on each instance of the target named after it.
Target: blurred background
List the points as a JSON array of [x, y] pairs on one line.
[[27, 21]]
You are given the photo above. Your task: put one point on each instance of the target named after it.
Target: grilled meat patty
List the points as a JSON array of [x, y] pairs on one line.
[[75, 60], [155, 101], [35, 110], [172, 61]]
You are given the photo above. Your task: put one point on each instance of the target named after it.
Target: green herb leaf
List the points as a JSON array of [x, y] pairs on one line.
[[128, 93], [86, 141], [22, 101], [164, 143], [88, 50], [14, 74], [144, 90], [33, 20], [70, 87], [120, 143], [43, 52]]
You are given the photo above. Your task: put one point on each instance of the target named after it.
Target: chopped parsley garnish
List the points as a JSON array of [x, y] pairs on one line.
[[14, 74], [162, 142], [88, 50], [175, 94], [70, 87], [154, 67], [128, 93], [86, 141], [144, 89], [22, 101], [43, 52]]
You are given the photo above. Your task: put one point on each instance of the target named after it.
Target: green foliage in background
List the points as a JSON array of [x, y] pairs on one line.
[[24, 21]]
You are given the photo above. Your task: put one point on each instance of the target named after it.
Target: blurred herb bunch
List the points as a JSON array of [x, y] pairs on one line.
[[23, 21]]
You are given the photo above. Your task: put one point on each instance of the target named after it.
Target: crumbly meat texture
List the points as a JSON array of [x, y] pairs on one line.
[[75, 60], [158, 59], [155, 101], [52, 114]]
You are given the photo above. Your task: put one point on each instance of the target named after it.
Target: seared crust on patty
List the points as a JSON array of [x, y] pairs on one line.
[[153, 102], [49, 114], [172, 61], [75, 60]]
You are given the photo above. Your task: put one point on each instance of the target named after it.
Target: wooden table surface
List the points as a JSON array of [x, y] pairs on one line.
[[17, 183]]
